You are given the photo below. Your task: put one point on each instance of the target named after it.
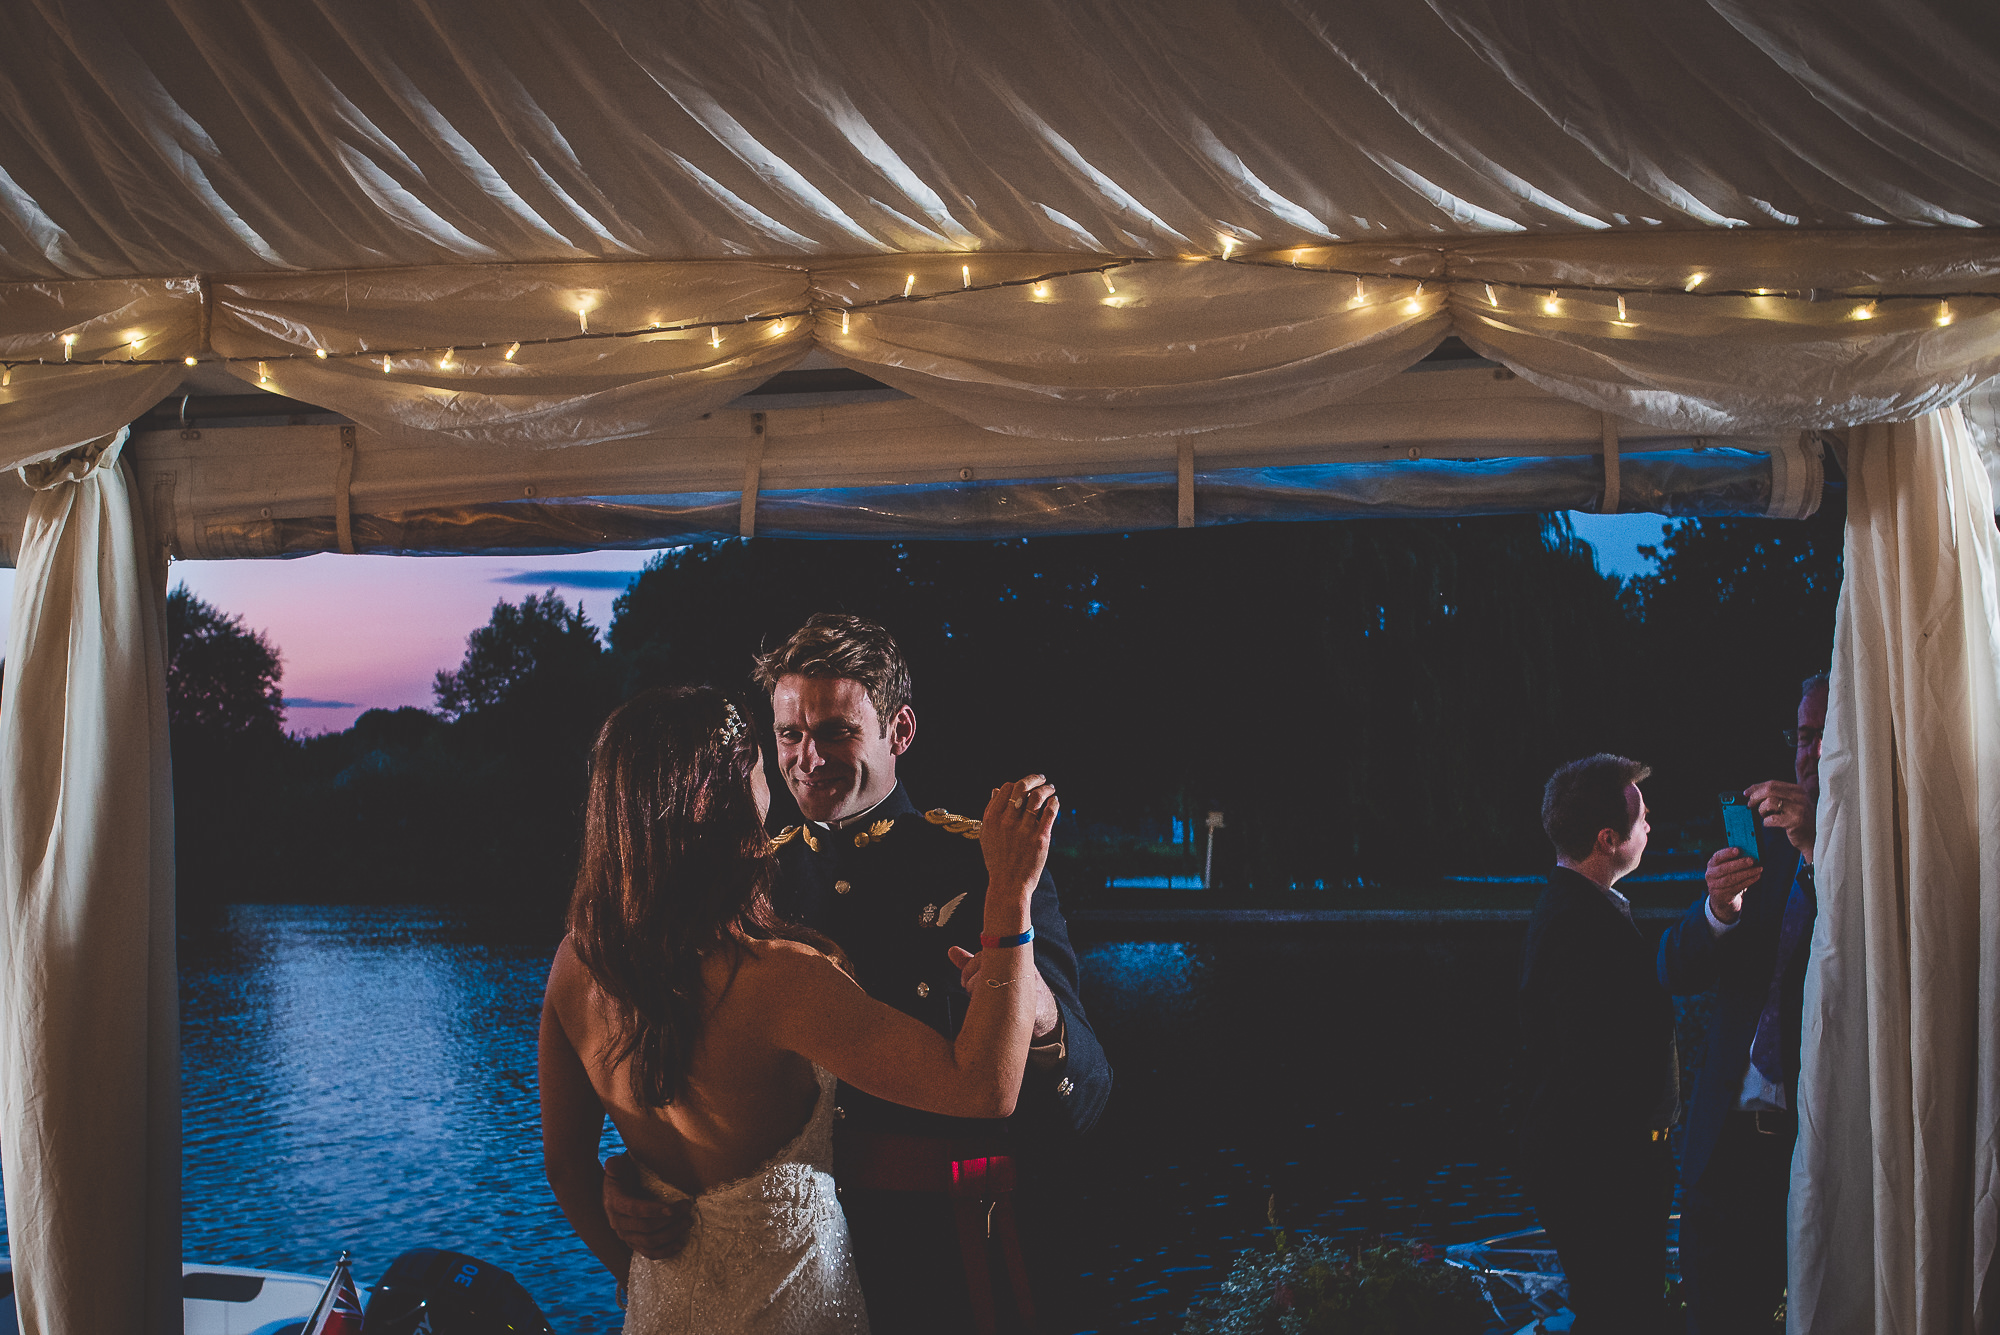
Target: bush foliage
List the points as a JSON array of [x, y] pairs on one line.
[[1311, 1287]]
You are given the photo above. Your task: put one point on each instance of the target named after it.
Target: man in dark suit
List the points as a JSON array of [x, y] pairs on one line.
[[1602, 1073], [931, 1201], [1747, 940]]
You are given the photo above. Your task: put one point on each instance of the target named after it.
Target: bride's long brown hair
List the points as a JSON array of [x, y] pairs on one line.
[[675, 867]]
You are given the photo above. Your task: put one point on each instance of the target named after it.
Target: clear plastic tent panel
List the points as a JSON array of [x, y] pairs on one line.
[[1711, 481]]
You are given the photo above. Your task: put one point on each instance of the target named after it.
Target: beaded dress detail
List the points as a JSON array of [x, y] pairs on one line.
[[768, 1253]]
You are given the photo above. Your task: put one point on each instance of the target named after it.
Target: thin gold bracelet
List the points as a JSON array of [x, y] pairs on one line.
[[1000, 983]]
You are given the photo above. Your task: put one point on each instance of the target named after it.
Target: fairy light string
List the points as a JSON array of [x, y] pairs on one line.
[[1865, 306]]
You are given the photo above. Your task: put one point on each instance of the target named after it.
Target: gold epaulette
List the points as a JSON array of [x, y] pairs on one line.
[[960, 825]]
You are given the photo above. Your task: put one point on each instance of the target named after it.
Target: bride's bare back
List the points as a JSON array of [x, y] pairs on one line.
[[745, 1098]]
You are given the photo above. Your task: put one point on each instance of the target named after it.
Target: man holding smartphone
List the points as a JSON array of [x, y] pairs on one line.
[[1748, 939]]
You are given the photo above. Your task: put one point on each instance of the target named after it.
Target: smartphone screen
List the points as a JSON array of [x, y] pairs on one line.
[[1739, 824]]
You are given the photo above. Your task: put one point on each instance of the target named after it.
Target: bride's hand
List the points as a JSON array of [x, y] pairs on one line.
[[1014, 836]]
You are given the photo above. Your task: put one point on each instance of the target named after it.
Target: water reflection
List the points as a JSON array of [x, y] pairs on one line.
[[1156, 976], [363, 1078], [1361, 1076]]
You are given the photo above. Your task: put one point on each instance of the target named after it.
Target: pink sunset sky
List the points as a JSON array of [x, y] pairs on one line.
[[370, 632]]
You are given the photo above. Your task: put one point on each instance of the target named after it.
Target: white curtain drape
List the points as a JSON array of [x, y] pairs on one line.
[[89, 1028], [1895, 1204]]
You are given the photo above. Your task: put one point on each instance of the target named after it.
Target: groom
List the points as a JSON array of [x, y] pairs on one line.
[[930, 1200]]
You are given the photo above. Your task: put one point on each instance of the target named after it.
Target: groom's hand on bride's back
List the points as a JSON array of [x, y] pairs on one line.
[[653, 1229]]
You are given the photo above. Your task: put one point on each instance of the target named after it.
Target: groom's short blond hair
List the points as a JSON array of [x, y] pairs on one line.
[[834, 644]]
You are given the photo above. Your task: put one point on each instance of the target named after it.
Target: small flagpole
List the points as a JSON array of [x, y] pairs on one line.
[[323, 1310]]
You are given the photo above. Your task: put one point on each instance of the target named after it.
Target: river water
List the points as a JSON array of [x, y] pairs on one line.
[[363, 1079]]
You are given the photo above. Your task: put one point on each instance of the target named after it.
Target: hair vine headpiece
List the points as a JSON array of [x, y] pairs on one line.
[[732, 729]]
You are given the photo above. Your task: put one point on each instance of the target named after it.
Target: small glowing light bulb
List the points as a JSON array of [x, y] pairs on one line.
[[1415, 305], [320, 353], [1695, 280], [1621, 309], [1360, 296], [583, 319], [1865, 311], [512, 348], [1944, 313], [6, 376], [188, 360], [714, 337], [843, 322], [445, 363], [132, 346], [1105, 274], [965, 272], [69, 345], [1491, 299], [1229, 247], [386, 364], [263, 374], [781, 326], [1552, 302], [909, 285], [1041, 290]]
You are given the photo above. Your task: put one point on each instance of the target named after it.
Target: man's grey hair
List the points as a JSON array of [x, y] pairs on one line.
[[1818, 681]]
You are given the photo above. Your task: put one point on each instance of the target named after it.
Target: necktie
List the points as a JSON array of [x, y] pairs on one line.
[[1767, 1053]]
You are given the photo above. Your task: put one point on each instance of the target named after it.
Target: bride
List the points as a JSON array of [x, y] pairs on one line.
[[713, 1034]]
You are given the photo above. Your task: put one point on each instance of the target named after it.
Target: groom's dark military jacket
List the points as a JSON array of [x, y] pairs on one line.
[[894, 890]]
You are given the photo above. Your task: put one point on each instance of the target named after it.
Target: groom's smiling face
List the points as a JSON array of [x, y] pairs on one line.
[[837, 757]]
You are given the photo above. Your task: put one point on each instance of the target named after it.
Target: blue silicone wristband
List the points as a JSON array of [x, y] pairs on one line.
[[1003, 942]]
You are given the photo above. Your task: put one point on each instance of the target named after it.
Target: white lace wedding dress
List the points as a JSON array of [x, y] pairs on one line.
[[768, 1254]]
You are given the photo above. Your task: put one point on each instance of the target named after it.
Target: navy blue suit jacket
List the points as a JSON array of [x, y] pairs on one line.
[[1738, 967], [1598, 1028]]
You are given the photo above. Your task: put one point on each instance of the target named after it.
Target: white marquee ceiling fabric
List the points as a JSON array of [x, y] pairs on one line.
[[164, 137], [729, 186]]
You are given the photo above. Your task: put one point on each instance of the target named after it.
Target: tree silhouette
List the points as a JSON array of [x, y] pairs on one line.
[[1739, 612], [1377, 698], [540, 638], [222, 679], [225, 723]]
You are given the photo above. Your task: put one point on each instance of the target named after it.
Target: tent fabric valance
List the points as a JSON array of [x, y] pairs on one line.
[[502, 355]]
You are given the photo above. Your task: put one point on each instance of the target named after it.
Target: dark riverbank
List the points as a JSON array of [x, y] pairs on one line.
[[1199, 918]]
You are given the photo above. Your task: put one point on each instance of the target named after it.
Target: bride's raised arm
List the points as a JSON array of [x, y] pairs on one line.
[[820, 1013]]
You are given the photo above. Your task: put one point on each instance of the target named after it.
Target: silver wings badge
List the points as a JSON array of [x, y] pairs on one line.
[[944, 914]]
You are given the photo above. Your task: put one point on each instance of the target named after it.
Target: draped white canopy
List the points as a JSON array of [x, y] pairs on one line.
[[433, 185], [1117, 262]]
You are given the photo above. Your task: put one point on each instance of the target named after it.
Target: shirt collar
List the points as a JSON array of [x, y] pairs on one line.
[[895, 804], [1609, 892]]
